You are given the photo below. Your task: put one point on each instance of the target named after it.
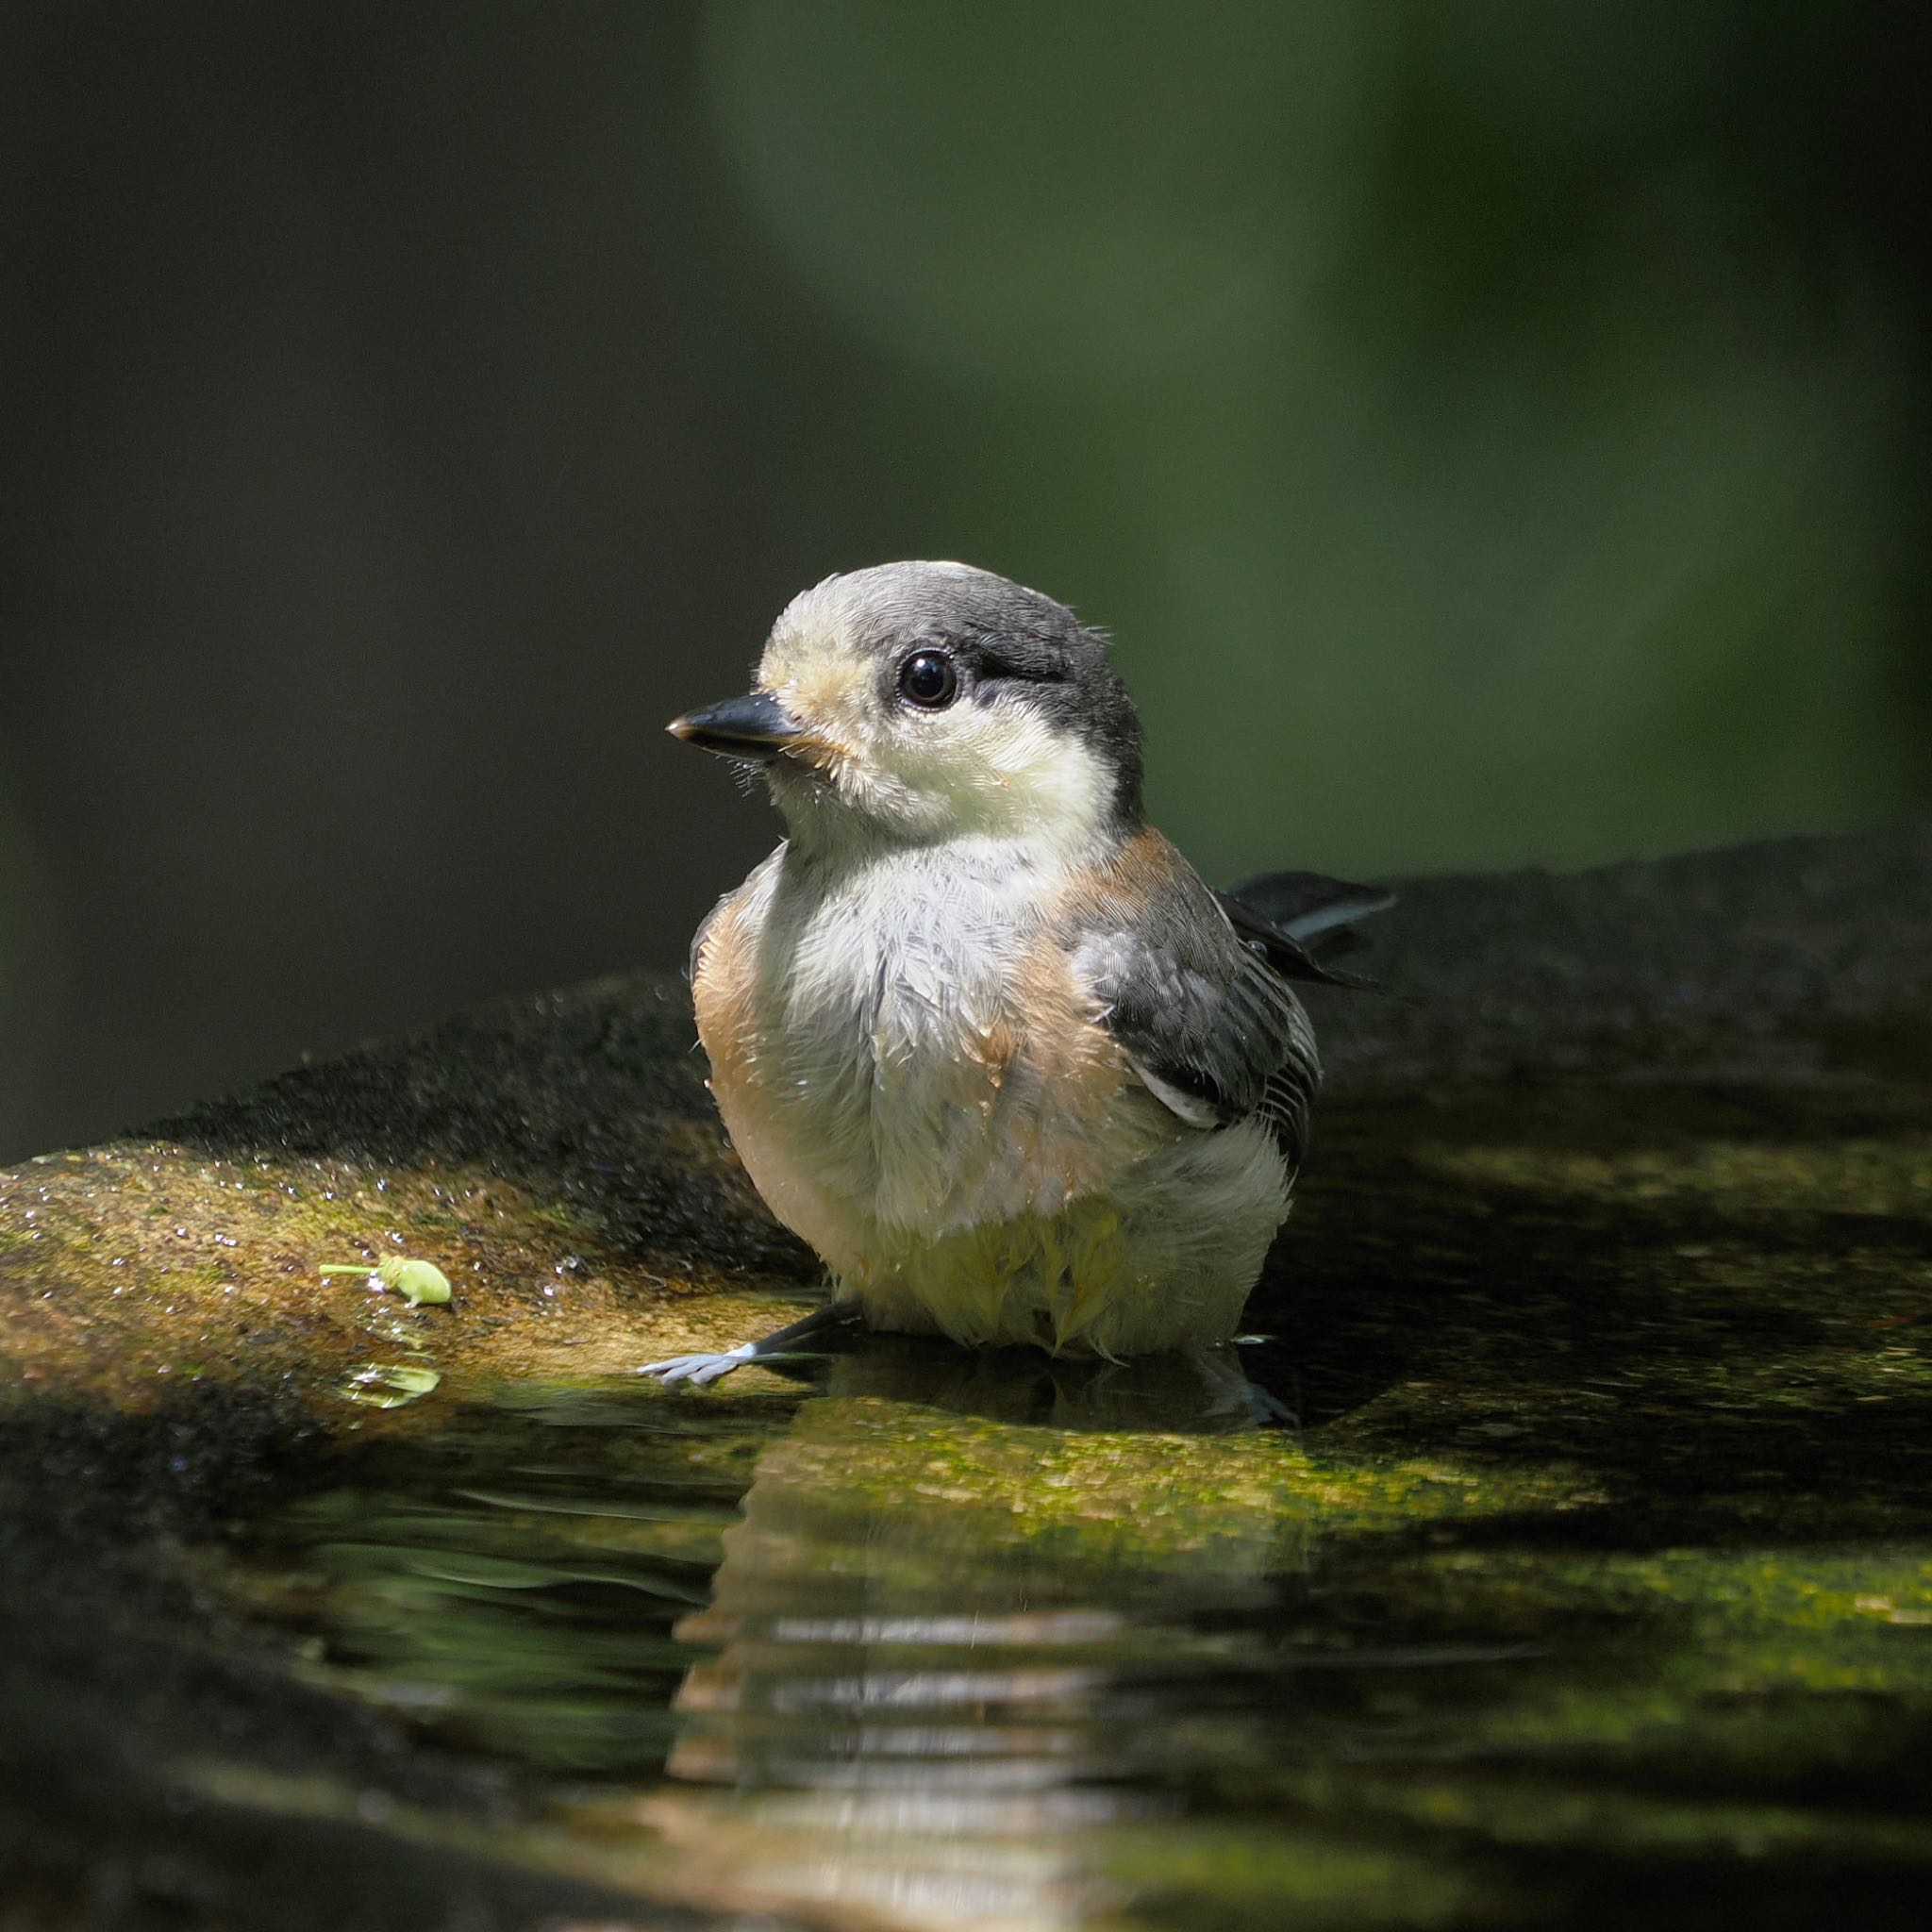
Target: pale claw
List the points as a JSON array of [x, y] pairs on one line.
[[700, 1370]]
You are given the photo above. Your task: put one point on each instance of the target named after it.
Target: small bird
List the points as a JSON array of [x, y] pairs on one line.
[[980, 1035]]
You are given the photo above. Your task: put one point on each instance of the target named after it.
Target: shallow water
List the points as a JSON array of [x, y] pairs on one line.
[[986, 1643]]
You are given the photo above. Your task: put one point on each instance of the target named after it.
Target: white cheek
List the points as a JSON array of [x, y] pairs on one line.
[[1003, 771]]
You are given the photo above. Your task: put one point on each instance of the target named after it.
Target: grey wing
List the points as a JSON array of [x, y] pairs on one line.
[[1214, 1033]]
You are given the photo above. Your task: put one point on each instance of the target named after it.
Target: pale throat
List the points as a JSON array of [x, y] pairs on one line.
[[1047, 805]]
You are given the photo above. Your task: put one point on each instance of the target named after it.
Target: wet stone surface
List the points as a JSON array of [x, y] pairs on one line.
[[1593, 1582]]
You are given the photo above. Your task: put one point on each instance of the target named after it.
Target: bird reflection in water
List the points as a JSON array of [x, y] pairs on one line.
[[962, 1628]]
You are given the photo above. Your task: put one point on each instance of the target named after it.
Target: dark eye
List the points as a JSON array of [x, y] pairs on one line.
[[928, 680]]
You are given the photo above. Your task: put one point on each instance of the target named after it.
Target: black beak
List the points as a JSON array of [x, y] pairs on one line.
[[757, 728]]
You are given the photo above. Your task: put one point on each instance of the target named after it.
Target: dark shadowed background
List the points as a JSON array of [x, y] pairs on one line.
[[1492, 433]]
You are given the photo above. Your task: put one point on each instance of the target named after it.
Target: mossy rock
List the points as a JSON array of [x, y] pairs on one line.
[[1604, 1311]]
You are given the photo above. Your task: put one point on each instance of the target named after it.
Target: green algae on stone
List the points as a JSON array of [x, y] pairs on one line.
[[1854, 1174], [979, 1488]]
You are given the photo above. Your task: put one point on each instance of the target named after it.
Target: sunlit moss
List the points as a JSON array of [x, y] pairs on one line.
[[1849, 1176], [1113, 1497], [98, 1242]]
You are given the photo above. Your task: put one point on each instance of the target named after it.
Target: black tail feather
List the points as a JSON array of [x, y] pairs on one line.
[[1283, 915]]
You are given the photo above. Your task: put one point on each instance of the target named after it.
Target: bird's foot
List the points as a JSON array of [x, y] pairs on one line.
[[700, 1370], [835, 1321]]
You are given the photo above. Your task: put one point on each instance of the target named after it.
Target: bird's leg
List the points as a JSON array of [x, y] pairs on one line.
[[821, 1325], [1270, 1411], [1267, 1410]]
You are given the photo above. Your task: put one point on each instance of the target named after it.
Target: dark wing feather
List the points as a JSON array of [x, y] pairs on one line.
[[1215, 1033]]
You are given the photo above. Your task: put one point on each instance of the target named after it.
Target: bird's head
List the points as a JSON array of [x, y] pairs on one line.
[[915, 703]]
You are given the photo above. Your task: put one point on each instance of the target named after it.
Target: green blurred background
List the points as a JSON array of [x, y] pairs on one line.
[[1492, 432]]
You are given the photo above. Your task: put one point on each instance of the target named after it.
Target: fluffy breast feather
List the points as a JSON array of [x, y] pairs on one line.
[[904, 1045]]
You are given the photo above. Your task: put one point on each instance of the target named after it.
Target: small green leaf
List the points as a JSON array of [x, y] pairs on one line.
[[415, 1281]]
